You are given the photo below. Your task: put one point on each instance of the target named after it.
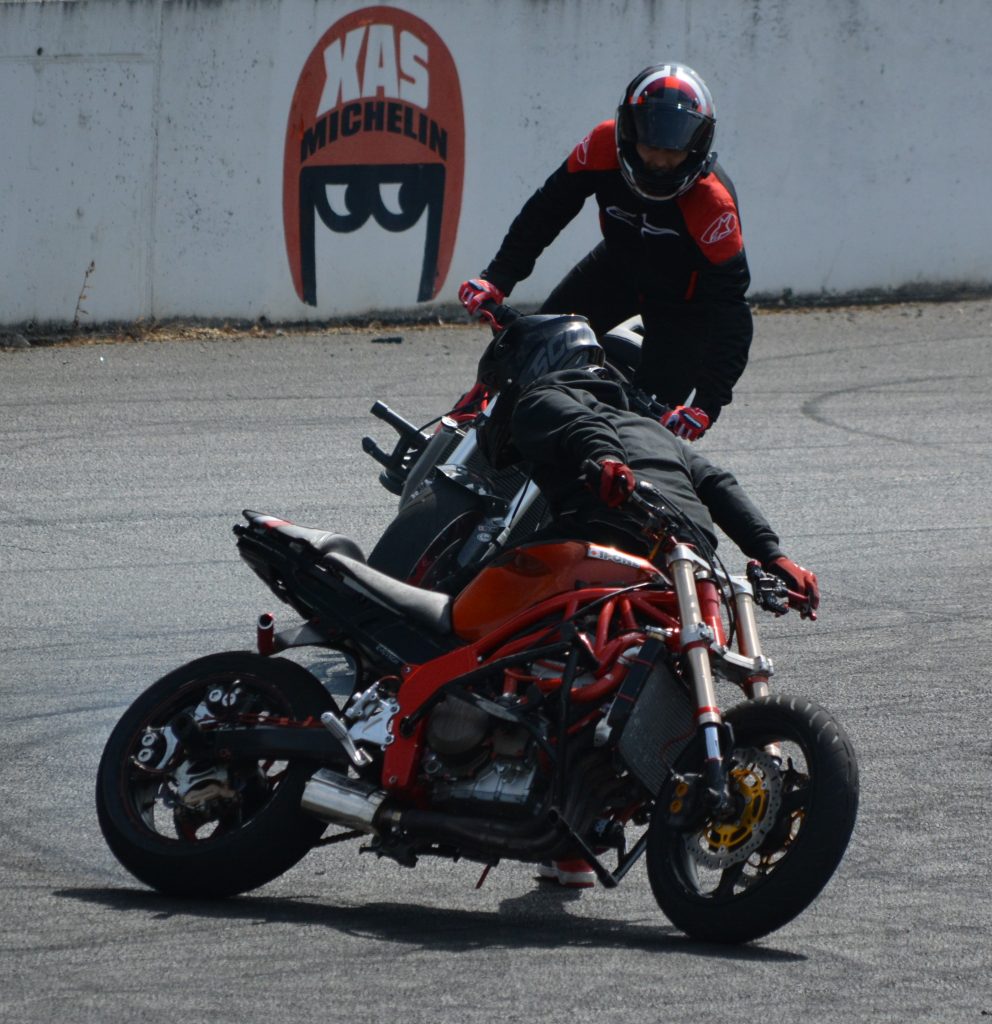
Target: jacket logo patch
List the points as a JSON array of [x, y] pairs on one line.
[[639, 220], [724, 226], [651, 229], [582, 151], [619, 214]]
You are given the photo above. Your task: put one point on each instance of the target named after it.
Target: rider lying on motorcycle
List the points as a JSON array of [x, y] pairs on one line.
[[558, 423], [563, 419]]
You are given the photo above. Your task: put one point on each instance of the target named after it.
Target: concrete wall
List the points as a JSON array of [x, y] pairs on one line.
[[149, 139]]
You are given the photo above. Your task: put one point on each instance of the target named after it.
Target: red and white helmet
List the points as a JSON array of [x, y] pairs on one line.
[[667, 106]]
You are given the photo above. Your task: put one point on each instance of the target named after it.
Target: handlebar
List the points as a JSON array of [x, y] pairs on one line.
[[645, 404], [657, 515], [658, 518], [771, 593], [497, 315]]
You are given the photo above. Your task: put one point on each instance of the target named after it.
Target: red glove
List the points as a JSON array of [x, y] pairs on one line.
[[615, 483], [688, 421], [804, 591], [472, 294]]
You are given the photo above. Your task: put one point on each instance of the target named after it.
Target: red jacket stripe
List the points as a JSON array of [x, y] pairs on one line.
[[596, 152]]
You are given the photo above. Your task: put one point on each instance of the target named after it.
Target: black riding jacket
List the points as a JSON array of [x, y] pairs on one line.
[[684, 257], [567, 417]]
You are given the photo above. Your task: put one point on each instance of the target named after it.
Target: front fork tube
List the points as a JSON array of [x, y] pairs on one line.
[[747, 639], [497, 526], [750, 646], [696, 637]]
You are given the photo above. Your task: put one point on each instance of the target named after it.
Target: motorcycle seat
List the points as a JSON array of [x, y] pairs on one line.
[[326, 542], [320, 541], [423, 607]]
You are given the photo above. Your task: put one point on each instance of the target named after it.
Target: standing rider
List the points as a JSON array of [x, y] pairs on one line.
[[672, 249]]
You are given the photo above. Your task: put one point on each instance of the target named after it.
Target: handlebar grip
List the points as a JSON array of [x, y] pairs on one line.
[[590, 471], [498, 315], [647, 404]]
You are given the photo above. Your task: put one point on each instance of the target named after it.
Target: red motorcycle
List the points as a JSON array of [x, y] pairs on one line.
[[564, 704]]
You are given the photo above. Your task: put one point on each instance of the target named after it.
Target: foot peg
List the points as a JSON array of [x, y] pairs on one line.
[[337, 728]]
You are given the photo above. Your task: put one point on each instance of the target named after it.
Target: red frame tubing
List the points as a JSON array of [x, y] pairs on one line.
[[421, 682]]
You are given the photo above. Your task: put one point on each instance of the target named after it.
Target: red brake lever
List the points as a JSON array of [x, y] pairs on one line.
[[801, 603]]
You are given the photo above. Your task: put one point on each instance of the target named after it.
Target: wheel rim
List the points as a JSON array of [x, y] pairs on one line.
[[181, 800]]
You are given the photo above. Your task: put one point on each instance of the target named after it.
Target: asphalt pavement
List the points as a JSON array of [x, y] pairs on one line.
[[865, 434]]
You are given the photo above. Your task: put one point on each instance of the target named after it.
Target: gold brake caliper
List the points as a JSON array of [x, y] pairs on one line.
[[727, 837], [758, 782]]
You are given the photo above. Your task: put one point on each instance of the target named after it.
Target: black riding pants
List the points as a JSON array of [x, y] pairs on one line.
[[598, 289]]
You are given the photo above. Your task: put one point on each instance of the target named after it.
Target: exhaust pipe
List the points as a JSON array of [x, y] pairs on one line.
[[357, 804], [363, 806], [339, 800]]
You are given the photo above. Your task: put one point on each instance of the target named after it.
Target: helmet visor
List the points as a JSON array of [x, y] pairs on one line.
[[667, 127]]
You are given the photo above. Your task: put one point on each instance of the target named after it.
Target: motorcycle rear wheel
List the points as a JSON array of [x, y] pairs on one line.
[[735, 881], [195, 829]]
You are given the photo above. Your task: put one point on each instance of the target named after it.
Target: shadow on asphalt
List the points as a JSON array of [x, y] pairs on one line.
[[537, 920]]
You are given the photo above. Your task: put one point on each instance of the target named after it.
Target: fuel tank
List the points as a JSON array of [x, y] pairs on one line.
[[529, 574]]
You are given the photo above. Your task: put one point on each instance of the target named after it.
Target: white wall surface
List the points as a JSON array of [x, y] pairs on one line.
[[147, 136]]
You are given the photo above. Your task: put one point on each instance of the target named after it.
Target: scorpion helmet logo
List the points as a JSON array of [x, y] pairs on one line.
[[377, 103]]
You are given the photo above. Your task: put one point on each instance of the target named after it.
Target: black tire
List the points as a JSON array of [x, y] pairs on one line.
[[421, 544], [800, 814], [154, 821]]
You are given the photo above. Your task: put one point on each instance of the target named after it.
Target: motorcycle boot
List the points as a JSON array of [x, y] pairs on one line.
[[572, 874]]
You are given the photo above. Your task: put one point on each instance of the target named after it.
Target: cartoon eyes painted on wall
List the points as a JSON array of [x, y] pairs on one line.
[[376, 132], [345, 198], [394, 198]]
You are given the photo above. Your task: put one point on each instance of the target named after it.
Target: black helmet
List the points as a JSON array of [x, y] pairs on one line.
[[667, 106], [530, 347], [535, 345]]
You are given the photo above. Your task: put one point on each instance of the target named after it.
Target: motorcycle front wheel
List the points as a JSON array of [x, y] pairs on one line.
[[420, 546], [194, 828], [794, 779]]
